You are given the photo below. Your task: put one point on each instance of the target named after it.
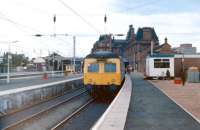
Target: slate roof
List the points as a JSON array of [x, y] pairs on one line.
[[162, 55], [119, 43], [139, 35]]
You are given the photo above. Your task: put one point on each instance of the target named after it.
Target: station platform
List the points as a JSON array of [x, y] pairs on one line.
[[33, 80], [150, 109]]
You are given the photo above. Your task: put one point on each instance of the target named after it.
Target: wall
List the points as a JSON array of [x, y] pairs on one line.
[[188, 62], [17, 101]]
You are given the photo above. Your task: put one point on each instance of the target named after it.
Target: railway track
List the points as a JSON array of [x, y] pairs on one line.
[[61, 123], [57, 112]]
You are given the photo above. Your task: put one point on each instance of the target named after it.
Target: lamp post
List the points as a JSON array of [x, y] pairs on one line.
[[53, 65], [74, 52], [8, 60]]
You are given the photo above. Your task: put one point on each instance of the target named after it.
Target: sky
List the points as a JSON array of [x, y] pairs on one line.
[[20, 20]]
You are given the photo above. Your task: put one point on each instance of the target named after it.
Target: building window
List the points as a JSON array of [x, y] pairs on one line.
[[161, 63], [93, 67], [110, 67]]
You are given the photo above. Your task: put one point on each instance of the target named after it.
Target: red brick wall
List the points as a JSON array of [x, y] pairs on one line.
[[188, 62]]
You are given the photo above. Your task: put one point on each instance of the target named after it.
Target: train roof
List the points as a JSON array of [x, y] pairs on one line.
[[102, 54]]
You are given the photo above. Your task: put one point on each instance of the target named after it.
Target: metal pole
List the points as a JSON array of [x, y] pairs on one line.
[[54, 31], [54, 26], [105, 20], [74, 48], [53, 66], [62, 66], [8, 66]]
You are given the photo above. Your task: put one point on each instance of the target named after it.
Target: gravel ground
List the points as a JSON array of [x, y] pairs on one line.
[[150, 109], [187, 96], [86, 119], [12, 118]]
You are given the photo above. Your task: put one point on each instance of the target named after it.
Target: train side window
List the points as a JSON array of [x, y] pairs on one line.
[[93, 68], [110, 67]]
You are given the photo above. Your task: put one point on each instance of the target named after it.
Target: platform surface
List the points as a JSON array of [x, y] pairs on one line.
[[150, 109], [35, 80]]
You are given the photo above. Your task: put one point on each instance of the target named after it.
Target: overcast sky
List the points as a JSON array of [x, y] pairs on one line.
[[20, 19]]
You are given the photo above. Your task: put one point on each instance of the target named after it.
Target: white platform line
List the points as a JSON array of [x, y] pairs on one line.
[[114, 118], [17, 90], [28, 77], [29, 73], [182, 107]]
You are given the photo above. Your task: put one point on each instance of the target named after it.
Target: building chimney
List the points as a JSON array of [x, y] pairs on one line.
[[166, 40]]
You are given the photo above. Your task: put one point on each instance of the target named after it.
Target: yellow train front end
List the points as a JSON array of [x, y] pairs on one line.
[[102, 73]]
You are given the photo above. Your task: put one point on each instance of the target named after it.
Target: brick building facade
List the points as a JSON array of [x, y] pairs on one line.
[[139, 47], [165, 48], [184, 62], [103, 44], [134, 48]]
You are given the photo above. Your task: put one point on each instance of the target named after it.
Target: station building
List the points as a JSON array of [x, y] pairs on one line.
[[133, 49]]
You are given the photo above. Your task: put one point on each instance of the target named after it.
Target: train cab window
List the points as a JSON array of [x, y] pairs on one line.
[[110, 67], [93, 67]]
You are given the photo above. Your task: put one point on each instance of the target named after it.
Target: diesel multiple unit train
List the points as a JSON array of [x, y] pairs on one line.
[[102, 71]]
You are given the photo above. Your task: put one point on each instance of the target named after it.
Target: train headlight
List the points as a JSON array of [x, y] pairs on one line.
[[113, 80]]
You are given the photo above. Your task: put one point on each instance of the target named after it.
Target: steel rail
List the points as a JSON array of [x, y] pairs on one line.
[[61, 123], [43, 111]]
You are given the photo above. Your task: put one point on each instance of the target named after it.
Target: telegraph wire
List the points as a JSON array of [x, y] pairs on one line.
[[139, 6], [31, 7], [17, 24], [20, 26], [78, 15]]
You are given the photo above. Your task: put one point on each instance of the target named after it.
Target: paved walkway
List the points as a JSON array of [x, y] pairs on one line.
[[150, 109], [187, 96]]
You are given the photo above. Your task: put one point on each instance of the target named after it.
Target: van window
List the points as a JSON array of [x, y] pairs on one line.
[[93, 67], [110, 67]]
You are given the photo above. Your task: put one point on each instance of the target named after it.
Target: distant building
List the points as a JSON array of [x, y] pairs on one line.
[[165, 48], [68, 64], [118, 46], [185, 49], [133, 49], [103, 44], [40, 64], [54, 61], [59, 62], [139, 47], [184, 62]]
